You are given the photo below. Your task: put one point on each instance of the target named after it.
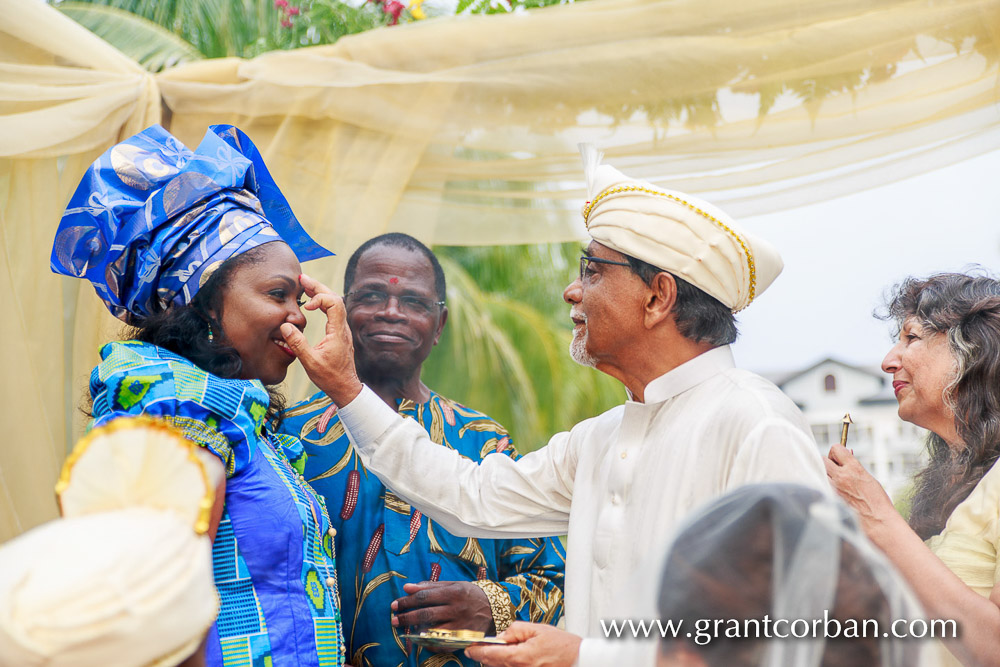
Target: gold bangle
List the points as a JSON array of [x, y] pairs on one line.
[[500, 604]]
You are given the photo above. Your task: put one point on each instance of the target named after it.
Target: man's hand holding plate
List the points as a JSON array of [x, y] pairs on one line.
[[529, 645], [453, 605]]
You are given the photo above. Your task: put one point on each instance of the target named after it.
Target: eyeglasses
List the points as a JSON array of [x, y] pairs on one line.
[[586, 259], [377, 300]]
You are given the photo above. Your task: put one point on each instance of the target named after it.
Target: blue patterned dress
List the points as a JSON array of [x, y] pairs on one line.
[[384, 543], [273, 552]]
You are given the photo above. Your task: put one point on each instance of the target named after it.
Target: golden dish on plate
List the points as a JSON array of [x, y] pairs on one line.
[[451, 639]]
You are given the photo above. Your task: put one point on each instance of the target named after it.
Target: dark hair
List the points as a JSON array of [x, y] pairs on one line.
[[966, 308], [721, 570], [184, 329], [397, 240], [699, 316]]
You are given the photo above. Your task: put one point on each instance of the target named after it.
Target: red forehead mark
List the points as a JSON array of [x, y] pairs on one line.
[[393, 280]]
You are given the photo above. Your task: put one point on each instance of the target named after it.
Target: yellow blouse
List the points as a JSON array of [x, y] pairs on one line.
[[969, 543], [970, 540]]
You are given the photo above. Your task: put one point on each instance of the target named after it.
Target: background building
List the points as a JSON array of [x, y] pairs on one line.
[[891, 449]]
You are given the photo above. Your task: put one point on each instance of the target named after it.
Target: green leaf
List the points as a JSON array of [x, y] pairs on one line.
[[152, 46], [213, 28], [505, 348]]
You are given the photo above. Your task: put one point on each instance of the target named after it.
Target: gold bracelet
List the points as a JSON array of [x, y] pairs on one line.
[[500, 604]]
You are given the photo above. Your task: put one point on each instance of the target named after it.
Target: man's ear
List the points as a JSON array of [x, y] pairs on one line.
[[441, 321], [660, 300]]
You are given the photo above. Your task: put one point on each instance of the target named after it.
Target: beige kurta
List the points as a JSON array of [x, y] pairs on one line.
[[616, 484]]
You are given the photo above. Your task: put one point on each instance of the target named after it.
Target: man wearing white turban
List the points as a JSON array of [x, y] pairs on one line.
[[124, 577], [652, 307]]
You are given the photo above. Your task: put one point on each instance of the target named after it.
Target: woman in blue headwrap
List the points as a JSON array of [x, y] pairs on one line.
[[199, 253]]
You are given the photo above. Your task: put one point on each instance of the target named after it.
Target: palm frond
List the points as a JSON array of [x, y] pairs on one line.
[[213, 28], [504, 351], [149, 44]]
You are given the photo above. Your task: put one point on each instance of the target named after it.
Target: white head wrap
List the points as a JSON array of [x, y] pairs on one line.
[[129, 587], [125, 578], [133, 461], [678, 233]]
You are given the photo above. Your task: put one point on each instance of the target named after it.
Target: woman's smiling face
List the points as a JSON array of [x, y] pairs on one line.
[[261, 296], [922, 366]]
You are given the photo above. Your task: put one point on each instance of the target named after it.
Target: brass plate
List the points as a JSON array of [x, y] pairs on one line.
[[451, 639]]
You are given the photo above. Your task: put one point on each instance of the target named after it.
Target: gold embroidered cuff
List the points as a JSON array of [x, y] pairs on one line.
[[500, 604]]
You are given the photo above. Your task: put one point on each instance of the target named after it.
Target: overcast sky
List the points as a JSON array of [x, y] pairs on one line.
[[840, 256]]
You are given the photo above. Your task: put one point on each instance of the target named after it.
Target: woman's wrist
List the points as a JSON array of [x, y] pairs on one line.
[[886, 527]]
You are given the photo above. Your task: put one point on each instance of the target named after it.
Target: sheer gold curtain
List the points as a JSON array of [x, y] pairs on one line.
[[65, 96], [463, 131]]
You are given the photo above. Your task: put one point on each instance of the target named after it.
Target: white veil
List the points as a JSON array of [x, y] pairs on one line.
[[792, 553]]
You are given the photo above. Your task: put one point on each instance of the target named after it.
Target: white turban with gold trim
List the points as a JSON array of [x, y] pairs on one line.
[[681, 234], [125, 577]]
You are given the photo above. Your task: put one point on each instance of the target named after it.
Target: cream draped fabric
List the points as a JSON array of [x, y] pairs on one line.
[[463, 131], [65, 96]]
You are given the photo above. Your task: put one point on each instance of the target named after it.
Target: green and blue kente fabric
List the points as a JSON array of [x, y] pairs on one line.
[[273, 551]]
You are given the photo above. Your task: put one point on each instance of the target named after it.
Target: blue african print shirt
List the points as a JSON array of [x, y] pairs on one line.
[[273, 555], [383, 543]]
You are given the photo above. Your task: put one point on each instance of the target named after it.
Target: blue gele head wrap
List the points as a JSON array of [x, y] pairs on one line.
[[151, 220]]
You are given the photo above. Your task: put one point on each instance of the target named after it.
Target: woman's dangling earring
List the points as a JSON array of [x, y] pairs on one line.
[[211, 338]]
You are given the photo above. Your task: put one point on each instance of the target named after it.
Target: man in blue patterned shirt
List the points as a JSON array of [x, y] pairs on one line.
[[390, 559]]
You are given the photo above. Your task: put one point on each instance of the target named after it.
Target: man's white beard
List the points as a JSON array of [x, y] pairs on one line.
[[578, 349]]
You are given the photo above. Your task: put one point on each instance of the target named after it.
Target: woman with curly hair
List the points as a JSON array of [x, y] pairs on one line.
[[946, 376]]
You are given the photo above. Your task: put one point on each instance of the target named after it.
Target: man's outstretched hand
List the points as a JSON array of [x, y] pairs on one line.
[[329, 363], [529, 645]]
